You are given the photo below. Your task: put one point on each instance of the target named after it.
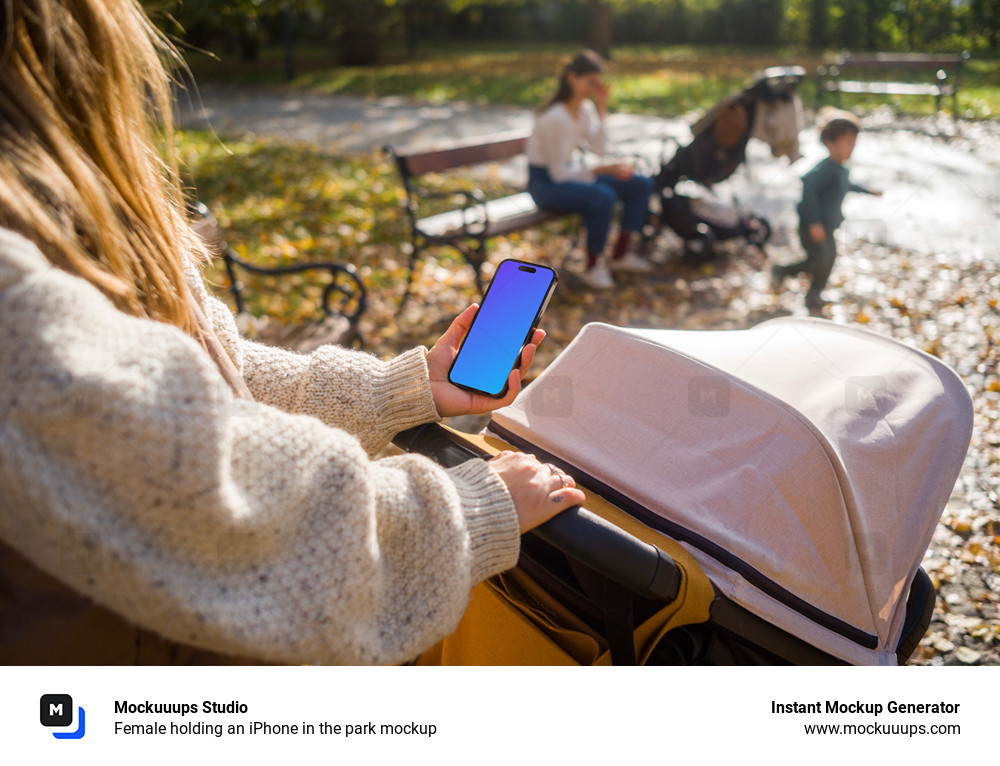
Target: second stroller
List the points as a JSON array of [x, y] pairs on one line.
[[769, 109]]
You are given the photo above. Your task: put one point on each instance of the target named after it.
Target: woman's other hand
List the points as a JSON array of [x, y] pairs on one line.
[[623, 171], [539, 490], [449, 399]]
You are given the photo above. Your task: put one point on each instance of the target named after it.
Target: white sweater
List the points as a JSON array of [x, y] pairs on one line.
[[261, 529], [557, 135]]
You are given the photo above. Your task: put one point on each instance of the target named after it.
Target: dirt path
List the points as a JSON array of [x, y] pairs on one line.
[[941, 194]]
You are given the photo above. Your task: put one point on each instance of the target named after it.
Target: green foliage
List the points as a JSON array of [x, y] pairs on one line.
[[222, 25], [364, 32], [904, 25]]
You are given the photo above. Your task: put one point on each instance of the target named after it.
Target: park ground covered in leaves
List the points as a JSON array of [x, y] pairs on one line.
[[283, 203]]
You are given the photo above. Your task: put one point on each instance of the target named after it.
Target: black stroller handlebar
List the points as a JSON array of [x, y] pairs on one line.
[[581, 535]]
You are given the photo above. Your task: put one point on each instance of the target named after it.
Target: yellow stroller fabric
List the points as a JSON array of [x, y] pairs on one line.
[[511, 620]]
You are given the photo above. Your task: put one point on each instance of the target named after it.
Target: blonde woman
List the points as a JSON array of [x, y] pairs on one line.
[[168, 491]]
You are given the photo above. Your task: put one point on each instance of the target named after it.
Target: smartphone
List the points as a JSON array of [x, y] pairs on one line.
[[507, 317]]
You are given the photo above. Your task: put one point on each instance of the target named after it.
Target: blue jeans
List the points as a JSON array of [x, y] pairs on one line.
[[594, 201]]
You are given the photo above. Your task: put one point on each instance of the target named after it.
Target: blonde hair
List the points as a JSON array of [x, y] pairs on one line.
[[88, 167]]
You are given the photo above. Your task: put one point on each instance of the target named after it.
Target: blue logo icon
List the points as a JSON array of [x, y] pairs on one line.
[[57, 710]]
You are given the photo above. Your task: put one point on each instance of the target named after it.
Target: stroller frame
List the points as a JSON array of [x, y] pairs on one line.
[[707, 163]]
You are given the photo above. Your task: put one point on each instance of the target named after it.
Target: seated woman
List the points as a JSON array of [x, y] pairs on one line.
[[574, 118], [170, 492]]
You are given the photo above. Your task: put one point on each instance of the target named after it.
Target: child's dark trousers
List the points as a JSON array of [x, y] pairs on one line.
[[818, 263]]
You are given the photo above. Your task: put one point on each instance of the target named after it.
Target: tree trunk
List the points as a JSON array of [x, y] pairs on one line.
[[249, 46], [601, 27], [819, 13], [288, 43], [361, 27]]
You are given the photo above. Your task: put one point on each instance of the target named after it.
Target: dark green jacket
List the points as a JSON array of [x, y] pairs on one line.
[[823, 191]]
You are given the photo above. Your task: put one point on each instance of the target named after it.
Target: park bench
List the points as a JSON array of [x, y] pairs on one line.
[[477, 220], [345, 297], [872, 75]]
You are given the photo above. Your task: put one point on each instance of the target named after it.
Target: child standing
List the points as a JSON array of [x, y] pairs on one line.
[[823, 191], [574, 117]]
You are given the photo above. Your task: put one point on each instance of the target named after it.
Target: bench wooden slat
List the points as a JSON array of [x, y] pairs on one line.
[[460, 156], [889, 88], [506, 214], [466, 229], [867, 71], [901, 60]]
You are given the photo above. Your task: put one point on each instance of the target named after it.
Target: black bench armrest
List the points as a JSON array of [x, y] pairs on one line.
[[475, 200], [344, 295], [345, 285]]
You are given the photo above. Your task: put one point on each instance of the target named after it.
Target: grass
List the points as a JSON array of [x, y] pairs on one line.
[[653, 80], [282, 203]]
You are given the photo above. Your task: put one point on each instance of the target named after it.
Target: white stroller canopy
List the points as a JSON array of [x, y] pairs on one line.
[[803, 463]]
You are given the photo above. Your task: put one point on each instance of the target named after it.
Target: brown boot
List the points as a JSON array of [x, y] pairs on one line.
[[777, 279], [815, 305]]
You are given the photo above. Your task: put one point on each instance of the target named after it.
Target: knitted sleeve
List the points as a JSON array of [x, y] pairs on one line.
[[371, 399], [129, 472]]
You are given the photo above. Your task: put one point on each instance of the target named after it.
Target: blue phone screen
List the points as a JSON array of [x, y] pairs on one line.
[[500, 327]]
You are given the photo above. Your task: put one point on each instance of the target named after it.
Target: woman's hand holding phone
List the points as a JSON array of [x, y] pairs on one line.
[[539, 491], [449, 399]]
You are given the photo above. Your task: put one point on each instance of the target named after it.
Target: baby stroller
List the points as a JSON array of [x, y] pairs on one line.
[[769, 109], [760, 496]]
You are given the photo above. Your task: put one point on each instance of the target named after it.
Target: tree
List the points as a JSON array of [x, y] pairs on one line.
[[361, 27], [204, 22], [986, 17], [601, 26], [819, 16]]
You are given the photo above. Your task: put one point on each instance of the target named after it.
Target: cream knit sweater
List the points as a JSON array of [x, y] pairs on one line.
[[263, 529]]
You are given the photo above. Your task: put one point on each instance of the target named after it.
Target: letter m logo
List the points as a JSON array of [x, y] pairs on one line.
[[57, 710]]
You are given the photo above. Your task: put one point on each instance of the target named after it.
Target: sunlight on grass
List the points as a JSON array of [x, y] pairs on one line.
[[282, 203]]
